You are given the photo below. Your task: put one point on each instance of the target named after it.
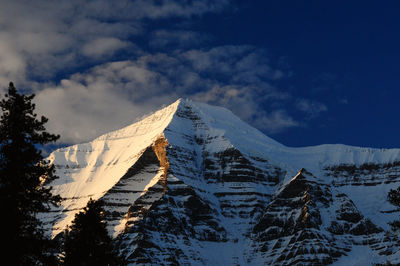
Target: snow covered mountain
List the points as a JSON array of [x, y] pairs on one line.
[[193, 184]]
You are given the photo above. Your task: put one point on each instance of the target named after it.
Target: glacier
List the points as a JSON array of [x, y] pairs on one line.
[[194, 184]]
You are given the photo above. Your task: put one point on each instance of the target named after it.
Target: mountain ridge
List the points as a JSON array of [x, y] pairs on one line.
[[214, 177]]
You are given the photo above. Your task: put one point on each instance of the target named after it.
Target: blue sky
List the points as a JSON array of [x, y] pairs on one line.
[[303, 72]]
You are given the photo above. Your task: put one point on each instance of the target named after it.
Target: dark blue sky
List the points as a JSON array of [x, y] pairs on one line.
[[342, 53], [303, 72]]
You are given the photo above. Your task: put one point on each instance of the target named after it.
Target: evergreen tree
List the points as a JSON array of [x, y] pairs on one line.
[[87, 241], [394, 198], [23, 176]]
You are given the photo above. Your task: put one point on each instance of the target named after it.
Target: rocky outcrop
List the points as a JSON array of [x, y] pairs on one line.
[[200, 187], [290, 230], [368, 174]]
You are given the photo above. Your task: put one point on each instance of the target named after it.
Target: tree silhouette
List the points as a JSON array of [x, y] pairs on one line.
[[394, 198], [23, 176], [87, 241]]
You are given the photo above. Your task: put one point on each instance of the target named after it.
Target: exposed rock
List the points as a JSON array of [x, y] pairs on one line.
[[194, 185]]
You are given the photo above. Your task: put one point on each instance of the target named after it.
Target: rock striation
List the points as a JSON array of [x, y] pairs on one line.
[[193, 184]]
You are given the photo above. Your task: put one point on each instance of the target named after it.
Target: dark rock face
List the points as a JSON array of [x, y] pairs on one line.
[[290, 228], [368, 174], [203, 201], [233, 200], [118, 199], [170, 224], [349, 220]]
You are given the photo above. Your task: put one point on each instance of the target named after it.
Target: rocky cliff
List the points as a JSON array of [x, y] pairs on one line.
[[193, 184]]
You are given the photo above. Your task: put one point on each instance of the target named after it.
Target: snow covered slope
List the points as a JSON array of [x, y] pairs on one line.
[[90, 170], [193, 184]]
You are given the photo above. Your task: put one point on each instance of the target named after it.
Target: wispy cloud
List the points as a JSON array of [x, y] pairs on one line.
[[91, 75], [311, 108], [41, 38], [101, 47], [167, 39], [275, 121], [111, 94]]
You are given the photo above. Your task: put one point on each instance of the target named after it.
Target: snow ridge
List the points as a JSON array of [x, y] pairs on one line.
[[192, 178]]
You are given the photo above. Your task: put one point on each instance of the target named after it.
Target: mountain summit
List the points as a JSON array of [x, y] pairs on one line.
[[194, 184]]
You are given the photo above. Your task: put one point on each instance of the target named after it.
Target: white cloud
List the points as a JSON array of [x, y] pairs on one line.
[[81, 112], [111, 95], [275, 121], [312, 108], [12, 65], [41, 38], [103, 47]]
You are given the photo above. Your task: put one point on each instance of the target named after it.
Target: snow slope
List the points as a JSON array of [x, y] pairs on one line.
[[89, 170], [201, 169]]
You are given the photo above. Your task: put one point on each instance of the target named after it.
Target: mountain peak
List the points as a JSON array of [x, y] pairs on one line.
[[91, 169], [193, 178]]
